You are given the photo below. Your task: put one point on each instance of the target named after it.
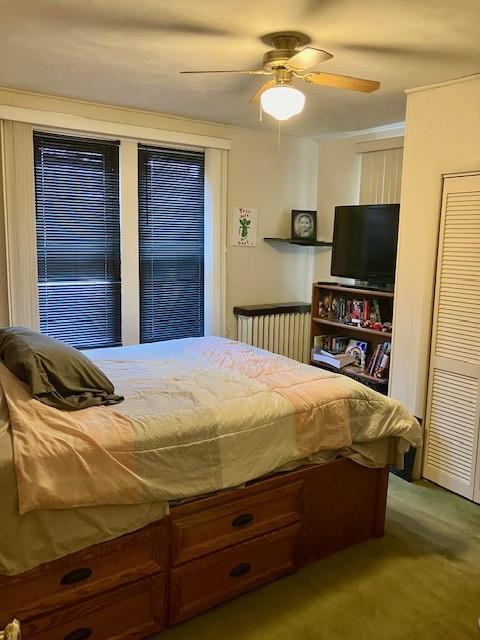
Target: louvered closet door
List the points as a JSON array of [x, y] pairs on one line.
[[452, 424]]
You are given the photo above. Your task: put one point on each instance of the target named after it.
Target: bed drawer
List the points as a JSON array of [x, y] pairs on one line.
[[129, 612], [81, 574], [198, 530], [199, 585]]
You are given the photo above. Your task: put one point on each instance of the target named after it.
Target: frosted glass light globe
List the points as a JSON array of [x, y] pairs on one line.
[[282, 102]]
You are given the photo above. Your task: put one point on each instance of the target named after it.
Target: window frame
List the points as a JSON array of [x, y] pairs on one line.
[[174, 255], [20, 211], [215, 225], [109, 151]]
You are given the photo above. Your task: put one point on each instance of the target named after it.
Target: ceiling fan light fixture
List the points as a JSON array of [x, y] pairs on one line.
[[282, 102]]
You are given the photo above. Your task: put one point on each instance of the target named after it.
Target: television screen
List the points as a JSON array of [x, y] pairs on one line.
[[365, 242]]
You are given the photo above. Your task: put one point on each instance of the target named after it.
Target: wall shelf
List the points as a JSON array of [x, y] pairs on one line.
[[301, 243]]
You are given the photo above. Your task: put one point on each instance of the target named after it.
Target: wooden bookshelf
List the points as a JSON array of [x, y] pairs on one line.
[[332, 326], [353, 371], [352, 327], [373, 293]]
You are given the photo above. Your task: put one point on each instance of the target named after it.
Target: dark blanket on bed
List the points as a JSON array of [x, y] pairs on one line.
[[57, 374]]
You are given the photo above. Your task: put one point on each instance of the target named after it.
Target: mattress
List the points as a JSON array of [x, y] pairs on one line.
[[199, 415], [29, 540]]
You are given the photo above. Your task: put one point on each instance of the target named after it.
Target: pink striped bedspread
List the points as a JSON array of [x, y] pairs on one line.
[[199, 415]]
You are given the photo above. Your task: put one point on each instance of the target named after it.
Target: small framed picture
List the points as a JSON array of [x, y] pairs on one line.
[[304, 225]]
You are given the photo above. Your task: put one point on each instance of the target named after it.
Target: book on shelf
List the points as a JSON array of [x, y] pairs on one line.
[[330, 344], [337, 361], [356, 311], [380, 361], [358, 349], [376, 311]]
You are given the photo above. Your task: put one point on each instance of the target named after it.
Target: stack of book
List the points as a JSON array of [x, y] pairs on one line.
[[337, 361], [332, 344]]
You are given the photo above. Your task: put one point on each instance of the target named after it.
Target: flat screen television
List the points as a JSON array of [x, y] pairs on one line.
[[365, 242]]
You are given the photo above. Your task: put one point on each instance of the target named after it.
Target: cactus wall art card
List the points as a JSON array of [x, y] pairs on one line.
[[244, 227]]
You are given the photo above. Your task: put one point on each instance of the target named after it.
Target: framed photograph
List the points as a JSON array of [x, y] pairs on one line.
[[304, 225]]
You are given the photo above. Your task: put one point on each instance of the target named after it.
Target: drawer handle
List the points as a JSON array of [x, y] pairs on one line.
[[242, 520], [240, 570], [79, 634], [77, 575]]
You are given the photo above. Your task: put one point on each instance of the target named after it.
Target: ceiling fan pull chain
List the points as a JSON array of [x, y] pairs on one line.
[[278, 142]]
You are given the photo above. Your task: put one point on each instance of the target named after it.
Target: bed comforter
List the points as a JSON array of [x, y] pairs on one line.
[[199, 415]]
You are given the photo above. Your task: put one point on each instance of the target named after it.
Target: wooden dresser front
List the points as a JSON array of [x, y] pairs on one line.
[[201, 584], [205, 552], [207, 525], [223, 547], [86, 573], [131, 611]]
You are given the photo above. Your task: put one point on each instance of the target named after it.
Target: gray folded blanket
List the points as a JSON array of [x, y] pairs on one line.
[[57, 374]]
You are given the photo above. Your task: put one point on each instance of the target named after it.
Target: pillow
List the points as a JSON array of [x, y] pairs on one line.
[[57, 375]]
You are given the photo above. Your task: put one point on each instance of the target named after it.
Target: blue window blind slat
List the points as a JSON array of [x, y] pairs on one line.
[[78, 239], [171, 243]]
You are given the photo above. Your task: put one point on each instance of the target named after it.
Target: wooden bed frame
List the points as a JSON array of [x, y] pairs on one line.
[[205, 552]]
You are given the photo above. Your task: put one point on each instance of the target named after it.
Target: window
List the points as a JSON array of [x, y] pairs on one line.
[[171, 243], [78, 239]]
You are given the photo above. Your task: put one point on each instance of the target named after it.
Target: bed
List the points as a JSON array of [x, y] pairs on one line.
[[223, 460]]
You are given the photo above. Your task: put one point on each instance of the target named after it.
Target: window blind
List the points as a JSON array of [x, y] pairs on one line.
[[171, 243], [78, 239], [381, 176]]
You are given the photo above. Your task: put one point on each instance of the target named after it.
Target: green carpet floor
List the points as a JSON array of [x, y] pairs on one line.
[[421, 581]]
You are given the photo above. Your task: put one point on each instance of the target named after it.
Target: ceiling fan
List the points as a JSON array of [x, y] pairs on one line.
[[287, 61]]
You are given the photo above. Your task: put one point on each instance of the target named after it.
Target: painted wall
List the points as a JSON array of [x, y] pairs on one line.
[[442, 136], [275, 184], [339, 166], [338, 183], [259, 175]]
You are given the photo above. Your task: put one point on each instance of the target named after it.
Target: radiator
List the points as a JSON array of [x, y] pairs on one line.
[[280, 328]]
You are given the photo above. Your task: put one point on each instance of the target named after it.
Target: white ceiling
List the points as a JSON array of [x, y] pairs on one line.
[[129, 52]]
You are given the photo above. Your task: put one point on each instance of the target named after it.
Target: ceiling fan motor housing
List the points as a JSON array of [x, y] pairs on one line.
[[277, 58], [285, 47]]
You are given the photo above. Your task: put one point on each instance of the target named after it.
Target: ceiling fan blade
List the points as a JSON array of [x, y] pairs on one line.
[[252, 72], [437, 53], [308, 58], [129, 18], [312, 8], [341, 82], [266, 85]]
